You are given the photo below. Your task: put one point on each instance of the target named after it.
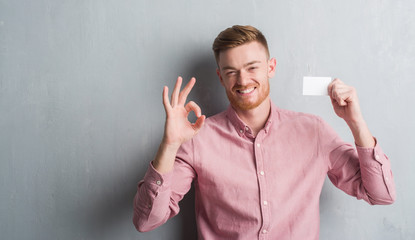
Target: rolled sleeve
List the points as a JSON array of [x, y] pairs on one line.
[[359, 171], [377, 174], [158, 195], [152, 199], [156, 181]]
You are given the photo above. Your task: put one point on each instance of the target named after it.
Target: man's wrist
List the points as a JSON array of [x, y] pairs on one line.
[[361, 133], [165, 157], [169, 146]]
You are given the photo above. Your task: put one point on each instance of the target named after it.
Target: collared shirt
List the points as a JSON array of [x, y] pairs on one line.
[[263, 187]]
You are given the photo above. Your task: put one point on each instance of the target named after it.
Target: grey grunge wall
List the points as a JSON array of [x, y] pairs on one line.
[[81, 112]]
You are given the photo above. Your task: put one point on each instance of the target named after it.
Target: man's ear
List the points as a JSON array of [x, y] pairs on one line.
[[272, 64], [220, 76]]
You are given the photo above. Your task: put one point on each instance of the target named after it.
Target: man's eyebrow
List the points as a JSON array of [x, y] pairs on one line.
[[251, 63], [245, 65], [228, 68]]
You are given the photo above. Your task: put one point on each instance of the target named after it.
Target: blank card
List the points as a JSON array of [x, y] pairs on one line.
[[316, 86]]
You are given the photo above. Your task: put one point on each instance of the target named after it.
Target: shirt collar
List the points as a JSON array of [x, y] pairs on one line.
[[242, 128]]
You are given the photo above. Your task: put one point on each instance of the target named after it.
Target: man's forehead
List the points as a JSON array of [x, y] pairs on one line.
[[242, 56]]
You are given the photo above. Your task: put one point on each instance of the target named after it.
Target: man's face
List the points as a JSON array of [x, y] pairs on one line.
[[244, 72]]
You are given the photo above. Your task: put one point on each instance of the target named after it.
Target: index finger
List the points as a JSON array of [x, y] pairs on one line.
[[186, 90]]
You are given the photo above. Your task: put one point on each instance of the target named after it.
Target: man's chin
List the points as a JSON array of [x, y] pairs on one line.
[[244, 106]]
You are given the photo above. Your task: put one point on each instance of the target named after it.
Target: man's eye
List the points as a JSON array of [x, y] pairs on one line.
[[252, 68], [230, 73]]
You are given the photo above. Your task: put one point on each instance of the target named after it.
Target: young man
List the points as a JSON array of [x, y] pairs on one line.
[[258, 170]]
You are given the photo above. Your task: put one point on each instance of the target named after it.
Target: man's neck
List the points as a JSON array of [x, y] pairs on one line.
[[257, 117]]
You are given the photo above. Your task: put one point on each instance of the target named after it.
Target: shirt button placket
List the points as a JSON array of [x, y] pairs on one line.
[[262, 186]]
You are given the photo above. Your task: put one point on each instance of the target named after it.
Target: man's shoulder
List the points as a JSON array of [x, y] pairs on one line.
[[285, 114], [214, 126], [216, 119]]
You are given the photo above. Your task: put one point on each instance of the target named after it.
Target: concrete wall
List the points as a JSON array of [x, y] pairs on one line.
[[81, 111]]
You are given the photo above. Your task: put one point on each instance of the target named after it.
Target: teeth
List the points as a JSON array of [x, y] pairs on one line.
[[247, 90]]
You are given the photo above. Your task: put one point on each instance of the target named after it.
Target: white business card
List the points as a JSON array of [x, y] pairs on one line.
[[316, 86]]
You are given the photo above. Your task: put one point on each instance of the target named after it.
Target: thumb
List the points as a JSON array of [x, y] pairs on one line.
[[199, 123]]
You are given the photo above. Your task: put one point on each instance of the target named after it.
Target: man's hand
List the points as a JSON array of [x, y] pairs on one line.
[[346, 105], [344, 100], [177, 128]]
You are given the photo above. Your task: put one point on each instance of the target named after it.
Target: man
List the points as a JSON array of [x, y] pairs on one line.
[[258, 170]]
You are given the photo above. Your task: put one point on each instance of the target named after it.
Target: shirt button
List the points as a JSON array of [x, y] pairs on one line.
[[265, 203], [262, 173], [258, 145], [241, 131], [377, 157], [246, 128], [387, 179], [264, 231], [158, 182], [149, 206]]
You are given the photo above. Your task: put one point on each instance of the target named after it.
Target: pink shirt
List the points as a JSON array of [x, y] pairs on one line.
[[263, 187]]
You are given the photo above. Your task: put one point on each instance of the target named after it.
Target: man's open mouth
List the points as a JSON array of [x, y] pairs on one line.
[[246, 91]]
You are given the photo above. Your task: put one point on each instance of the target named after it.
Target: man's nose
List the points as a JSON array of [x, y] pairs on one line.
[[242, 77]]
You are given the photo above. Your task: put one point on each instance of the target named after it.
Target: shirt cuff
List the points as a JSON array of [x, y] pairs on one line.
[[368, 155], [157, 181]]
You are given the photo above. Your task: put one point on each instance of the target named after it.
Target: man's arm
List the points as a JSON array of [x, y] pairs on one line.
[[177, 128], [346, 105], [154, 203], [366, 173]]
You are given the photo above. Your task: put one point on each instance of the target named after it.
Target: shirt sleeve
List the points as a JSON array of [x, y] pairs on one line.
[[361, 172], [158, 195]]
